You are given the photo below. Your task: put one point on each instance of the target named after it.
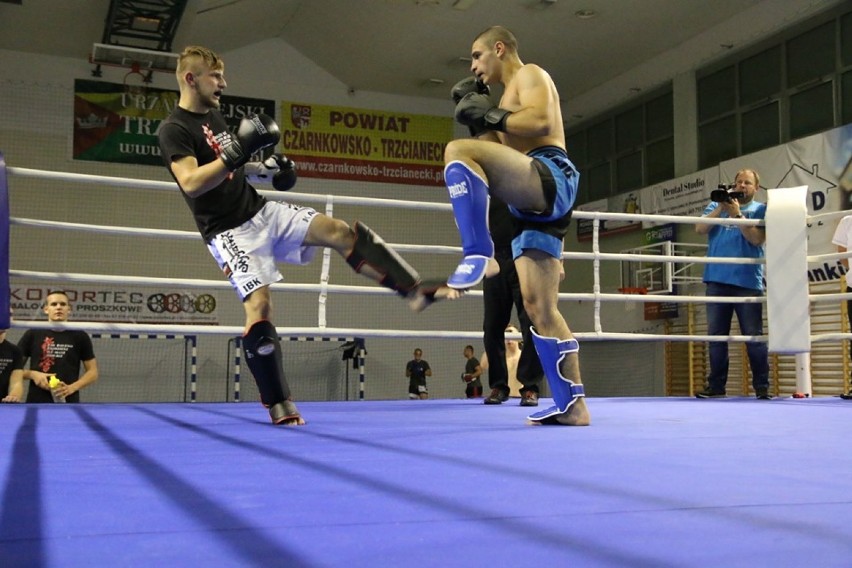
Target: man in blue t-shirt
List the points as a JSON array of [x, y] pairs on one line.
[[736, 280]]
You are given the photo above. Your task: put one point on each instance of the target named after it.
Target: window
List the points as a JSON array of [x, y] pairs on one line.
[[600, 182], [799, 85], [629, 132], [760, 128], [811, 110], [659, 161], [760, 76], [659, 117], [599, 142], [716, 94], [628, 149], [846, 97], [717, 141], [628, 172], [810, 55]]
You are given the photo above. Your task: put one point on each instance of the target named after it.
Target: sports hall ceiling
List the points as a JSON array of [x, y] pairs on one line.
[[408, 47]]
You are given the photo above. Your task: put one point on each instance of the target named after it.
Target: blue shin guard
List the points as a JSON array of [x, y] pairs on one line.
[[552, 352], [469, 197]]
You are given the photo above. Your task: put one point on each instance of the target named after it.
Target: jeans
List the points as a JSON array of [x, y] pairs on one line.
[[750, 318], [849, 315]]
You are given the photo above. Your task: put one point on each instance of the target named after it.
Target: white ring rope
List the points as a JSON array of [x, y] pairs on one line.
[[325, 287]]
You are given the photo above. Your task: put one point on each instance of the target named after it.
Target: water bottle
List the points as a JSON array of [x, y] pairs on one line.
[[54, 384]]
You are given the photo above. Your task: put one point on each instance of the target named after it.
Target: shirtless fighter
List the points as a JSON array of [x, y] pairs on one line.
[[517, 154]]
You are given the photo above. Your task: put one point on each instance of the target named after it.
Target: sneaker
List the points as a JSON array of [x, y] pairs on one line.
[[529, 398], [846, 395], [497, 396], [707, 393], [762, 394]]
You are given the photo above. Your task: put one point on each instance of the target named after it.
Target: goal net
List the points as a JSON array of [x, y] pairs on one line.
[[317, 368], [143, 368]]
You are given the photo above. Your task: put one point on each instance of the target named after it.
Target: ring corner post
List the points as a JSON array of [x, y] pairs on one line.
[[5, 312], [788, 304]]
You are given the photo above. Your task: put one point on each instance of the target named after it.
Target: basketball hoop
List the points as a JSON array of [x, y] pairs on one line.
[[135, 82]]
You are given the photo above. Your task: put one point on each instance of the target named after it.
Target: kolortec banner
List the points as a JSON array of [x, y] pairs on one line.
[[119, 304], [365, 145], [112, 125]]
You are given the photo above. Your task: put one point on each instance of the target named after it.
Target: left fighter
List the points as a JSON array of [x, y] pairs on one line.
[[248, 235]]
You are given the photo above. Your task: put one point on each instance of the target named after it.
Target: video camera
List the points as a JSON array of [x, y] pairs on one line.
[[724, 194]]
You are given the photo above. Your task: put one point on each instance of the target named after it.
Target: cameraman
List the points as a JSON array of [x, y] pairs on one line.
[[735, 280]]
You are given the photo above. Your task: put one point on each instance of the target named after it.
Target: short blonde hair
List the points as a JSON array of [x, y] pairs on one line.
[[193, 54]]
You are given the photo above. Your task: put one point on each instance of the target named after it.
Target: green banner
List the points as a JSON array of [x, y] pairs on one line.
[[114, 124]]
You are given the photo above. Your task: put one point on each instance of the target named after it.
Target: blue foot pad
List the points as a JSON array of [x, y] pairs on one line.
[[469, 273], [542, 415]]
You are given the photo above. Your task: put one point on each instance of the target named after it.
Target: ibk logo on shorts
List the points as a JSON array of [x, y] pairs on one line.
[[457, 189], [250, 286], [300, 116]]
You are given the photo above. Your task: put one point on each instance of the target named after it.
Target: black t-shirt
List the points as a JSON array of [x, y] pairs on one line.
[[471, 365], [418, 370], [57, 353], [232, 202], [11, 359]]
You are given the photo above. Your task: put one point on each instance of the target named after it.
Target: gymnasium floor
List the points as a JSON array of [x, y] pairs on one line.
[[652, 483]]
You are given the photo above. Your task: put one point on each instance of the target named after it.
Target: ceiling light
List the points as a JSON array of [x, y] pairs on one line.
[[144, 23]]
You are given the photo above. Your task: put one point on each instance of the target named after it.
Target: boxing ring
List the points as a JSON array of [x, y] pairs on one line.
[[653, 482]]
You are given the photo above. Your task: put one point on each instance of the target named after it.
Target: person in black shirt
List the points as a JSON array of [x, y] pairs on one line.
[[500, 293], [248, 235], [472, 372], [60, 353], [11, 370], [417, 370]]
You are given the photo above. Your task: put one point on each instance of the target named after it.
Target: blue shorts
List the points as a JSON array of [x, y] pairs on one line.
[[546, 230]]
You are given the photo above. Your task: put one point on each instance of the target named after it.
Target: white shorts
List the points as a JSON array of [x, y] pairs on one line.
[[248, 254]]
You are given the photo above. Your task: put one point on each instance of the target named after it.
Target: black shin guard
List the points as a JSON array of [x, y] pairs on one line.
[[371, 250], [263, 357]]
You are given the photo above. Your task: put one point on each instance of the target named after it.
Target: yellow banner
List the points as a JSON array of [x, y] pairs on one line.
[[365, 145]]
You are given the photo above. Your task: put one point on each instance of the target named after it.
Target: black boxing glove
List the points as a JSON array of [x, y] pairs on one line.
[[285, 178], [255, 132], [277, 169], [466, 86], [476, 110]]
